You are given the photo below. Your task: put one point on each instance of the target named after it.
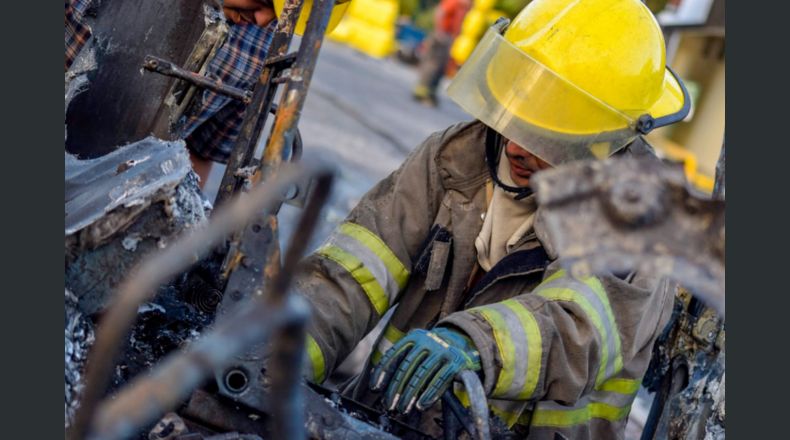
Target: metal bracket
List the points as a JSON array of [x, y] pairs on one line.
[[166, 68]]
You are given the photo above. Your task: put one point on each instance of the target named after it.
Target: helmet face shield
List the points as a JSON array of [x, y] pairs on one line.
[[529, 104]]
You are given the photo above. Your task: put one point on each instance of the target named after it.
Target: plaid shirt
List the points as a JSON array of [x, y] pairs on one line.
[[212, 126], [211, 129], [77, 32]]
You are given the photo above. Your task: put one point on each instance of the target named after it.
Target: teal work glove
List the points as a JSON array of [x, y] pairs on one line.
[[420, 367]]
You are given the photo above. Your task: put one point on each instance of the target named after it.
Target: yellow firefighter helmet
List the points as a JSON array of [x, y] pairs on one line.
[[572, 79]]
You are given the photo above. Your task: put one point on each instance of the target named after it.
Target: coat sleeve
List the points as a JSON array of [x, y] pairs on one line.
[[359, 272], [566, 338]]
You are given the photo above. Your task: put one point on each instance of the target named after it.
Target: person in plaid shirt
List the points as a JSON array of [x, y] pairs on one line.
[[77, 32], [210, 128]]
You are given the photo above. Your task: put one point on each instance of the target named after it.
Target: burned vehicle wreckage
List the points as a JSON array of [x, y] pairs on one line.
[[179, 320]]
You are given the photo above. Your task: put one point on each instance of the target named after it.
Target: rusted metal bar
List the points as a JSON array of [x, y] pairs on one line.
[[287, 350], [164, 67], [295, 91], [281, 60], [263, 94], [292, 102], [248, 251], [259, 247], [141, 285]]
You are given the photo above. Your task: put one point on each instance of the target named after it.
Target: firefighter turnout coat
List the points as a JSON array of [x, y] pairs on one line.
[[559, 354]]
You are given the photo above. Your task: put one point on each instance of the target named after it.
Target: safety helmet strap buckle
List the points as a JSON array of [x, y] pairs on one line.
[[646, 123]]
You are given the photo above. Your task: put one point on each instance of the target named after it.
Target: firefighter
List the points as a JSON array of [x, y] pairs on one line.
[[453, 244]]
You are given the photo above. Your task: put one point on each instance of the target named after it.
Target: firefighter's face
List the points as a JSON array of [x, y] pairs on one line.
[[522, 164]]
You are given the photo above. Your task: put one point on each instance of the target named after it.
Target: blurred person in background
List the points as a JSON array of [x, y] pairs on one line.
[[447, 25]]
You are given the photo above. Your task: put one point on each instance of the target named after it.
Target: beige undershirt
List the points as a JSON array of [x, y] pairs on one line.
[[506, 221]]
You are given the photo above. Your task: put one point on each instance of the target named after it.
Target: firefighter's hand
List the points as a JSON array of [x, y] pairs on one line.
[[260, 12], [420, 367]]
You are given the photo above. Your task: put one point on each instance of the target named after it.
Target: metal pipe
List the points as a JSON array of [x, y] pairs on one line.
[[164, 67], [477, 403], [457, 409], [287, 351], [143, 281]]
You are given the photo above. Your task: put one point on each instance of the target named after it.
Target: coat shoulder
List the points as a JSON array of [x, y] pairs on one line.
[[459, 153]]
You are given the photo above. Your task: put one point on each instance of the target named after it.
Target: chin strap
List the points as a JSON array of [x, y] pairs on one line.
[[494, 144]]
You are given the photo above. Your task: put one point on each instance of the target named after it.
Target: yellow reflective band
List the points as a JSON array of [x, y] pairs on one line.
[[596, 286], [506, 350], [594, 410], [373, 242], [361, 274], [392, 334], [620, 386], [566, 294], [316, 359], [461, 394], [376, 357], [534, 344], [509, 417], [556, 275]]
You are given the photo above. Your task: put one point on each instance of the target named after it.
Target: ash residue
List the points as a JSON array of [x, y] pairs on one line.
[[94, 271], [188, 205], [79, 338], [163, 325]]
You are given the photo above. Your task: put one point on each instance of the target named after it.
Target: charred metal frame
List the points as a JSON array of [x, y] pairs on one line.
[[252, 254], [164, 67], [172, 381], [687, 368], [119, 105], [252, 261], [640, 215], [634, 214]]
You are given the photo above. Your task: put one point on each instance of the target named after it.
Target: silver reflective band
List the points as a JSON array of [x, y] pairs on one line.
[[371, 261]]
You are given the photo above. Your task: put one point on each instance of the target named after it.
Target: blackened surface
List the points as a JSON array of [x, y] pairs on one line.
[[163, 325], [121, 105]]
